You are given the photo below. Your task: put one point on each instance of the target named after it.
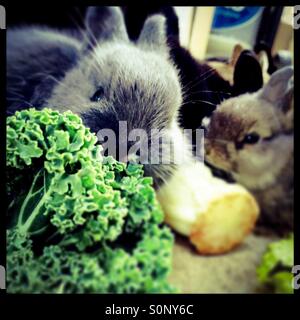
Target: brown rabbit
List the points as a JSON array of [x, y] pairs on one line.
[[251, 138]]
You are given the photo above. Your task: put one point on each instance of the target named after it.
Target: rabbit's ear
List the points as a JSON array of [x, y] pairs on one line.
[[237, 50], [105, 23], [153, 35], [247, 75], [280, 88]]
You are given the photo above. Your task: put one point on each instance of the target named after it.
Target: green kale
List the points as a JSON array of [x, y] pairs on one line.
[[104, 270], [275, 270], [78, 222]]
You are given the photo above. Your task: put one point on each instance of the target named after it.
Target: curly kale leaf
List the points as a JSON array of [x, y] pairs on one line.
[[55, 271], [106, 270], [71, 186], [68, 186], [79, 222]]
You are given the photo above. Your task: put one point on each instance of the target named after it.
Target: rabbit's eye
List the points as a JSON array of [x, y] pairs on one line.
[[98, 95], [251, 138]]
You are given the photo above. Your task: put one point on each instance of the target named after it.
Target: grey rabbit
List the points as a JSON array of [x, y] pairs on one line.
[[100, 75], [251, 138]]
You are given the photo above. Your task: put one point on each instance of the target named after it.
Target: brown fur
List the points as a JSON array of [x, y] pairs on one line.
[[264, 167]]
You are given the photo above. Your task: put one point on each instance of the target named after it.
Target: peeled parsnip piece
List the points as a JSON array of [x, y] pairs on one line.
[[214, 214]]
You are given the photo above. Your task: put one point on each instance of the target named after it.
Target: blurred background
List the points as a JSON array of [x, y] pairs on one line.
[[214, 31], [206, 31]]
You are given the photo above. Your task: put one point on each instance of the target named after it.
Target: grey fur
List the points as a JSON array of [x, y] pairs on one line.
[[280, 88], [105, 24], [153, 34], [48, 68], [36, 59]]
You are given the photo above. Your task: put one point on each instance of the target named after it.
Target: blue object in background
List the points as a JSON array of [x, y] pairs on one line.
[[233, 16], [243, 22]]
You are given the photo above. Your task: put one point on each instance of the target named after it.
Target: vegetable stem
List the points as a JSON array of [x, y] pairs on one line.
[[25, 227]]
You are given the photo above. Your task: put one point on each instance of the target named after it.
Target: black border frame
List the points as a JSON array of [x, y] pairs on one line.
[[86, 305]]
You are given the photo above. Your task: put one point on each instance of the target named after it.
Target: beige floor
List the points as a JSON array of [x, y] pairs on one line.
[[234, 272]]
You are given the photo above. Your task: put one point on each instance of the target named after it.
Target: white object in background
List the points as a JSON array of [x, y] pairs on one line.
[[287, 16], [284, 39], [200, 31], [222, 46], [185, 20]]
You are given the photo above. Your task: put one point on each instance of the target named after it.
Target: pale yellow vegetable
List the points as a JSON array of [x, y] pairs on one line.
[[215, 215]]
